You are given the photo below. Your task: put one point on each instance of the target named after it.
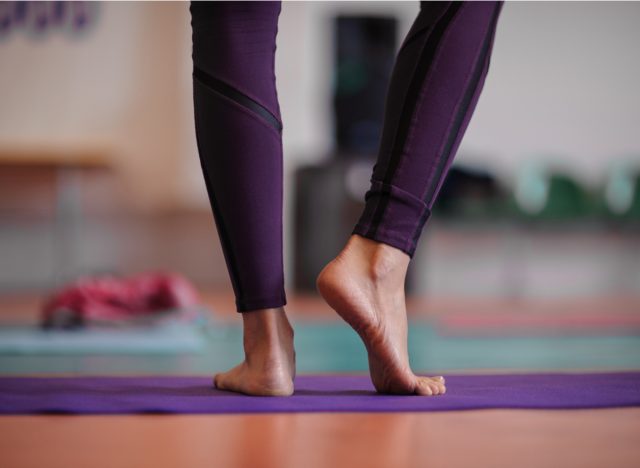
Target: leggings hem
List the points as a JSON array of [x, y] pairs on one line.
[[385, 238], [402, 222], [248, 305]]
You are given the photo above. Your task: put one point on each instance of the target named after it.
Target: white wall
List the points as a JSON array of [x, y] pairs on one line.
[[122, 87], [562, 87], [562, 81]]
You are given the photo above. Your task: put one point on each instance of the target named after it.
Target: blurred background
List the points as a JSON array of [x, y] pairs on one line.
[[536, 232]]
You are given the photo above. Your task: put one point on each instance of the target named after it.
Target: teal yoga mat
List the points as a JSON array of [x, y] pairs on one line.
[[153, 339], [334, 347]]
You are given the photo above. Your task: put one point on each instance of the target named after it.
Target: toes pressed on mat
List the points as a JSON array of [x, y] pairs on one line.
[[430, 386]]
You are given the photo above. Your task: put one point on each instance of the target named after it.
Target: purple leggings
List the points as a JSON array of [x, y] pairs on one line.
[[435, 84]]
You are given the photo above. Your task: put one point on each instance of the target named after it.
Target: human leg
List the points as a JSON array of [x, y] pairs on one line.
[[239, 135], [437, 78]]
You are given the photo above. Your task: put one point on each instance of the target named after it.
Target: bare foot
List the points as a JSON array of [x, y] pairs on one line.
[[269, 365], [365, 285]]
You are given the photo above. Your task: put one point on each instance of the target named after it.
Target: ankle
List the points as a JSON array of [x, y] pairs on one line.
[[382, 260], [266, 330], [262, 319]]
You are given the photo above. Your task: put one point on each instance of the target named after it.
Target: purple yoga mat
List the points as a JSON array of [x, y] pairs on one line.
[[332, 393]]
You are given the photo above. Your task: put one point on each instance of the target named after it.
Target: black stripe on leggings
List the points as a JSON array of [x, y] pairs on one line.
[[230, 92], [226, 242], [463, 108], [222, 230], [411, 99]]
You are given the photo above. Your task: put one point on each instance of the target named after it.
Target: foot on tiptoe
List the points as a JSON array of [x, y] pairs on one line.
[[364, 284]]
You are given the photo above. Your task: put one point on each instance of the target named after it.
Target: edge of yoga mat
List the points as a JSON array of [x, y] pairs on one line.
[[314, 393], [504, 324], [168, 338]]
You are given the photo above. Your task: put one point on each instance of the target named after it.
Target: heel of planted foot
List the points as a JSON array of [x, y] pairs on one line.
[[269, 365], [242, 379]]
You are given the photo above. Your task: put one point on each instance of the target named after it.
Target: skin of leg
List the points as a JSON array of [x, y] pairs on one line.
[[238, 130], [437, 78]]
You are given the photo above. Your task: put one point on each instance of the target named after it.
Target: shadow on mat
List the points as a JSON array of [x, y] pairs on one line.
[[190, 391], [334, 393]]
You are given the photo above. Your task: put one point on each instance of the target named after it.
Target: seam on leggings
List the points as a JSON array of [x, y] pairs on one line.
[[273, 64], [219, 86], [422, 69], [408, 40], [222, 231], [281, 161], [462, 109], [239, 108]]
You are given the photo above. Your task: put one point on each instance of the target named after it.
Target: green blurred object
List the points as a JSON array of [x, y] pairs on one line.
[[472, 194], [351, 77], [548, 195], [621, 195]]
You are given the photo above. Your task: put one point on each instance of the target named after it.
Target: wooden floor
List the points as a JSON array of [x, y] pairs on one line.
[[493, 438], [26, 307]]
